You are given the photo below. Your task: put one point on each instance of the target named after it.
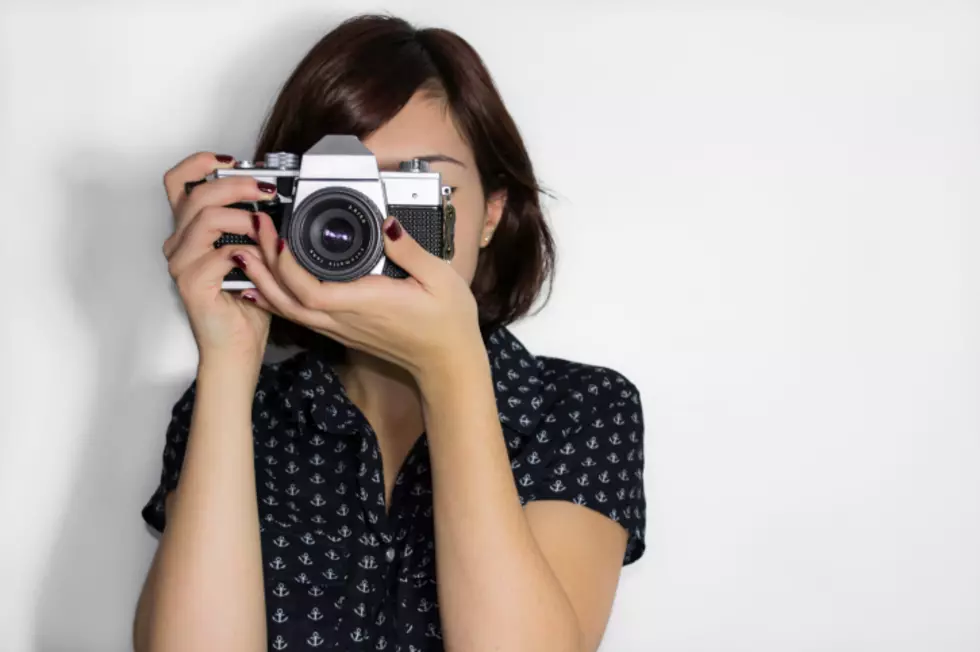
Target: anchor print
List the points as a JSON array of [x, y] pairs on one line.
[[604, 477], [363, 586], [302, 579], [315, 615], [280, 591], [308, 539], [317, 440], [368, 563], [357, 636], [317, 500], [316, 478], [279, 616], [315, 640], [561, 469], [280, 541], [315, 591], [557, 486], [543, 437], [525, 480], [292, 490], [279, 643], [592, 444], [317, 460], [381, 644], [277, 564]]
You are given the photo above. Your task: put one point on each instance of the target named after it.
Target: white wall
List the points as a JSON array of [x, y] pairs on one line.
[[768, 218]]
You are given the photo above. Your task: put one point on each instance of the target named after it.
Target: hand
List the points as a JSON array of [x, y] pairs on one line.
[[419, 323], [221, 321]]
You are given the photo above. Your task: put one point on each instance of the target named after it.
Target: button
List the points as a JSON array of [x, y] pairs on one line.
[[390, 554]]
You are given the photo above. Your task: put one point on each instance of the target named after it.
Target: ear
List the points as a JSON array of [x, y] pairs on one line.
[[495, 211]]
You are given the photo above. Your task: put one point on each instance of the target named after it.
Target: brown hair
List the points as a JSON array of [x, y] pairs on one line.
[[356, 78]]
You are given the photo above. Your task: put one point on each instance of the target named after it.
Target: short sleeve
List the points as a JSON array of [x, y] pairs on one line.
[[597, 460], [173, 458]]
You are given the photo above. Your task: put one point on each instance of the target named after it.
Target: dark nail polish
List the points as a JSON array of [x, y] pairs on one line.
[[266, 187], [394, 230], [248, 297], [282, 244], [255, 222], [239, 260], [224, 158]]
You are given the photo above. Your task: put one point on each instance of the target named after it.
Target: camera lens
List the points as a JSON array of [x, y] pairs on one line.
[[338, 235], [335, 233]]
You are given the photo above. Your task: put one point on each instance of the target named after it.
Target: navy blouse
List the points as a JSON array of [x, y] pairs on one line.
[[342, 573]]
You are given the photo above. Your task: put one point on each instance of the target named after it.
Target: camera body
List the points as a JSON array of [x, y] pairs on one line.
[[331, 202]]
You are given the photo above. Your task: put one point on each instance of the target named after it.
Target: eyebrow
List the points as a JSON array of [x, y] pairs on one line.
[[440, 158]]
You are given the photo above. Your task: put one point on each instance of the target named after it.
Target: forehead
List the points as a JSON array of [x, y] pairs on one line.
[[423, 127]]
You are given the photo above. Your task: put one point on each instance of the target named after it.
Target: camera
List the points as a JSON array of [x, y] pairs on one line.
[[331, 202]]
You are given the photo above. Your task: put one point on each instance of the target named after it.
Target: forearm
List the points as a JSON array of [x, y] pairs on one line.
[[206, 593], [496, 590]]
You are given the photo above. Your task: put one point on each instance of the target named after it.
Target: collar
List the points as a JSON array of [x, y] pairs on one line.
[[314, 396]]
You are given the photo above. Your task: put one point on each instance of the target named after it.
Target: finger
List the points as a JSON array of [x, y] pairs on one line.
[[267, 237], [209, 270], [221, 192], [308, 289], [194, 167], [282, 301], [255, 297], [198, 239], [408, 254]]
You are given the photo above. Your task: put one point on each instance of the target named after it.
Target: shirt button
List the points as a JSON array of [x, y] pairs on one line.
[[390, 555]]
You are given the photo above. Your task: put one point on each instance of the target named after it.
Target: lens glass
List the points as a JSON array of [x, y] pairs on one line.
[[338, 235]]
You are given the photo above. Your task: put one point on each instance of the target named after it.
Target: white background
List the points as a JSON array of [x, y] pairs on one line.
[[767, 216]]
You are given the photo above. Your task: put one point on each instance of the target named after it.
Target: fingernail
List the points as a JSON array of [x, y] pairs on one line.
[[266, 187], [239, 260], [282, 244], [255, 222], [394, 230], [224, 158], [249, 297]]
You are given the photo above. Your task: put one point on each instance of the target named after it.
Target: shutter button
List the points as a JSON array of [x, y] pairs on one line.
[[390, 555]]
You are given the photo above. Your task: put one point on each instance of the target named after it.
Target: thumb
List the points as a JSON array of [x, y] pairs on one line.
[[406, 252]]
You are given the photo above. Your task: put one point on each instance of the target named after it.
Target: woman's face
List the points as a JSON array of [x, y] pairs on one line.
[[424, 128]]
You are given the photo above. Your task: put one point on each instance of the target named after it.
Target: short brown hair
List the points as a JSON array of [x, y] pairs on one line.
[[356, 78]]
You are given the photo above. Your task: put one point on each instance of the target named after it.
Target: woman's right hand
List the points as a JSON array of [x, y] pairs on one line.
[[225, 324]]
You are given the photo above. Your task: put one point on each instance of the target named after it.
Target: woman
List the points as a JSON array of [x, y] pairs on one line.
[[414, 479]]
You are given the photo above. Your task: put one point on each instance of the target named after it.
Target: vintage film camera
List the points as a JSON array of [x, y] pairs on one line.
[[330, 205]]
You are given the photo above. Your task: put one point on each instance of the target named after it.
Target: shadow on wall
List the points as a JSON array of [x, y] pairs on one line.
[[115, 272], [116, 219]]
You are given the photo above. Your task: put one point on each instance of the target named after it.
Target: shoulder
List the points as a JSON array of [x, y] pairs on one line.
[[596, 386]]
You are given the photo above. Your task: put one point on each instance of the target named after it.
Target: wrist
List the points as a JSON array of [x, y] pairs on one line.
[[454, 369], [233, 373]]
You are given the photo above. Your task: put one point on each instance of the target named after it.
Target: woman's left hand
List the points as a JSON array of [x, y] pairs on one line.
[[419, 323]]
